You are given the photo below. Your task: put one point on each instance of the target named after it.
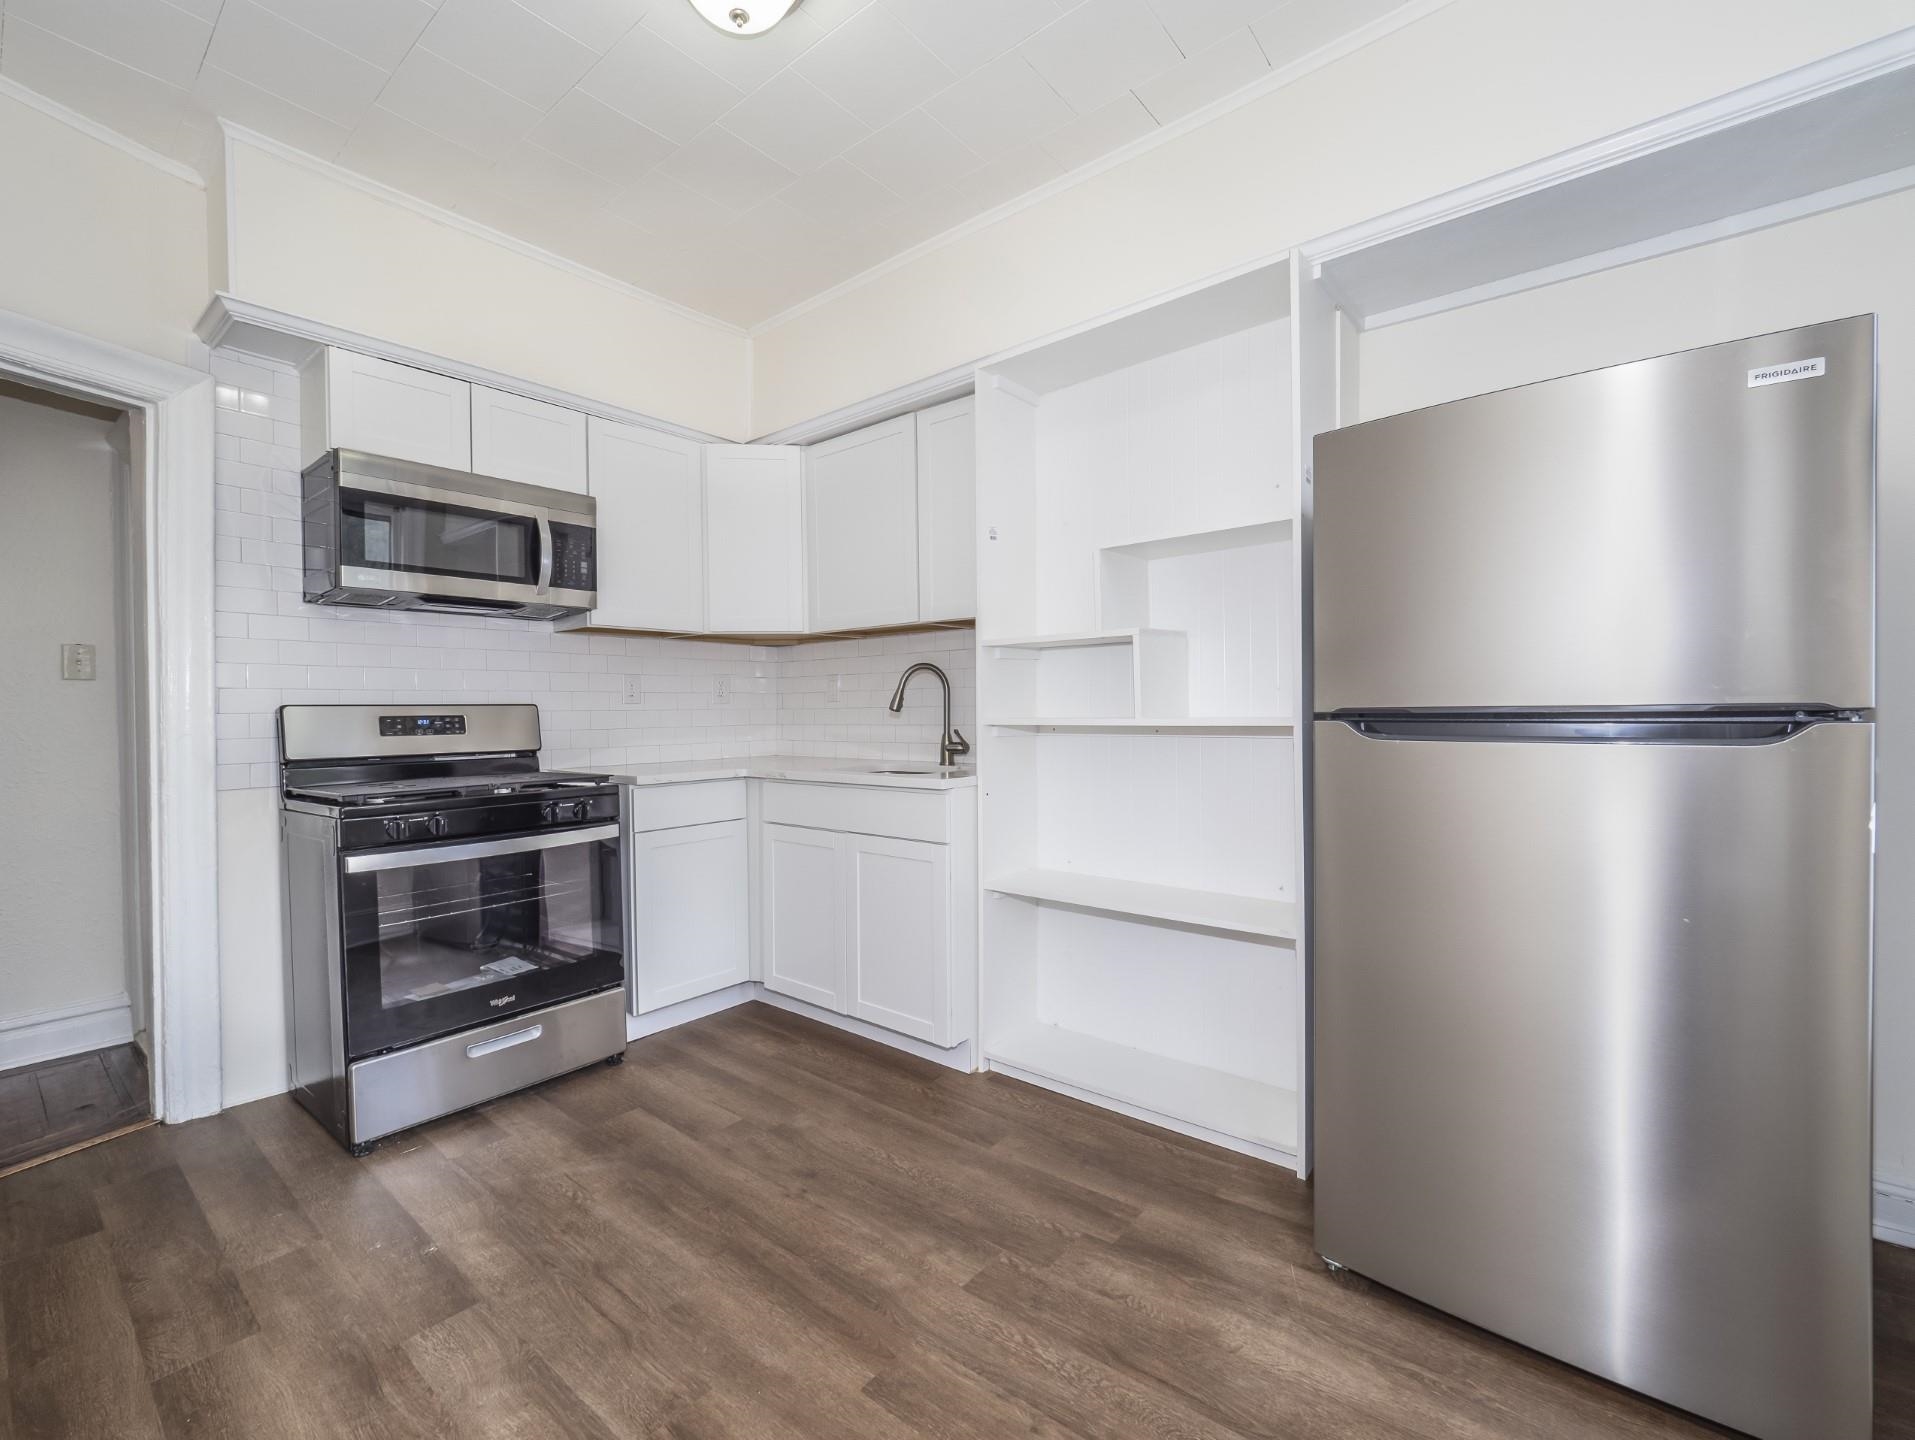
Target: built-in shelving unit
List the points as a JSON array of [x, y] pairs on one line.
[[1140, 678]]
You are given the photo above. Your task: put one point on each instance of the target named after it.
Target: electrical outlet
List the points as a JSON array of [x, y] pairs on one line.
[[634, 689], [721, 689], [834, 689]]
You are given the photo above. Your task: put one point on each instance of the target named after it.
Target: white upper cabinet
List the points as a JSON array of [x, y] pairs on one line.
[[754, 539], [861, 527], [529, 441], [947, 511], [651, 528], [354, 402]]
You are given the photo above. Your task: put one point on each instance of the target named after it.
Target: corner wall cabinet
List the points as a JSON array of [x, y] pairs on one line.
[[754, 550], [947, 511], [861, 527], [650, 489]]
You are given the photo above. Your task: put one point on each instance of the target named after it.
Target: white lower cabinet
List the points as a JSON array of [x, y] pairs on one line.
[[691, 912], [898, 934], [803, 904]]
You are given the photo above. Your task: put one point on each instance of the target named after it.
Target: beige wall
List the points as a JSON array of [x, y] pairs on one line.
[[1477, 88], [306, 243], [65, 941], [95, 240], [1843, 263]]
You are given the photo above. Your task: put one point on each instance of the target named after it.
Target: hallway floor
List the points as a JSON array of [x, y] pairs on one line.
[[56, 1104]]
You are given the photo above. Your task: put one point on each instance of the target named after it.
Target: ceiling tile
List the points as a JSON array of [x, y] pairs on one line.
[[778, 227], [746, 61], [965, 36], [379, 31], [1095, 135], [792, 121], [510, 47], [139, 106], [1298, 28], [913, 155], [599, 139], [1196, 25], [391, 149], [841, 196], [596, 24], [292, 63], [228, 97], [1006, 178], [659, 203], [152, 36], [1101, 49], [1226, 67], [830, 14], [659, 86], [437, 95], [874, 67], [546, 178], [207, 10], [721, 167], [1000, 107]]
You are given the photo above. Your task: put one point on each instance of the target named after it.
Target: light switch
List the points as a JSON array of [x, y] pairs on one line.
[[77, 662], [634, 689]]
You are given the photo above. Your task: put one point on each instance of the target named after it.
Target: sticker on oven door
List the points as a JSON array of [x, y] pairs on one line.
[[507, 965], [1791, 370]]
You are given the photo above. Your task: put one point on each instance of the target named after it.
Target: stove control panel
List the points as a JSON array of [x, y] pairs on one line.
[[421, 725]]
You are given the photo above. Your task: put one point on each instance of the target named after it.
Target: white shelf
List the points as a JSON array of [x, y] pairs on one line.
[[1210, 909], [1202, 542], [1079, 640], [1172, 725], [1228, 1104]]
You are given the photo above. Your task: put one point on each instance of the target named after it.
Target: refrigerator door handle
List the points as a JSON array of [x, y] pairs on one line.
[[1671, 730]]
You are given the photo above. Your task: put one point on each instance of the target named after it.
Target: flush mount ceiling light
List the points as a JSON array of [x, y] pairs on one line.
[[744, 17]]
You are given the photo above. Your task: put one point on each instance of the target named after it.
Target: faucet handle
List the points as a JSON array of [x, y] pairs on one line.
[[955, 746]]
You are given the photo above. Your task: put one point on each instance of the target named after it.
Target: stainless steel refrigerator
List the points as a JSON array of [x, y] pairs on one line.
[[1593, 810]]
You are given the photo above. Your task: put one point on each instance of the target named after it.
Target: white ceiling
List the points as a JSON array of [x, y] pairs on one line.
[[734, 176]]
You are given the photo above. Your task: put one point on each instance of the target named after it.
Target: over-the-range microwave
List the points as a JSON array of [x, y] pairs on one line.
[[403, 536]]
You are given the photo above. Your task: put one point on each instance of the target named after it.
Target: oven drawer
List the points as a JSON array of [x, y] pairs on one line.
[[407, 1087]]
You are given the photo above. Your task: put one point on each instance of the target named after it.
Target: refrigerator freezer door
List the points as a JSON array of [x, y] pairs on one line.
[[1592, 1064], [1685, 531]]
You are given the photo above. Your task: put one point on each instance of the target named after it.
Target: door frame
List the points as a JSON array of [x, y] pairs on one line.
[[170, 408]]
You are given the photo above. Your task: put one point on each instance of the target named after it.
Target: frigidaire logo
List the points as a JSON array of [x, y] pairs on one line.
[[1793, 370], [502, 1000]]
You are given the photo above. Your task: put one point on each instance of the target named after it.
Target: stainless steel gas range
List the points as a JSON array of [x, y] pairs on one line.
[[454, 914]]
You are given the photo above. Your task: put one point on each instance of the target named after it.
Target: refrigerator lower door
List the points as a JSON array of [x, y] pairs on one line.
[[1592, 1063]]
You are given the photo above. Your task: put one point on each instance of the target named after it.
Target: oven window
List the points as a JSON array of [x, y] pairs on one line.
[[426, 537], [439, 945]]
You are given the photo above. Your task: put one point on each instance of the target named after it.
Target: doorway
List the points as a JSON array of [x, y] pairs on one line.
[[76, 993]]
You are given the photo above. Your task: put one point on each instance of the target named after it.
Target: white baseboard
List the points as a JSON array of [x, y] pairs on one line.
[[65, 1030], [1894, 1212], [637, 1027]]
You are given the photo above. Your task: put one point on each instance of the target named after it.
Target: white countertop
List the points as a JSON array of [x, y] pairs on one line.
[[810, 769]]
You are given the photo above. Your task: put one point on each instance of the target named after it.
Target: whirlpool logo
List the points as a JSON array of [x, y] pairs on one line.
[[502, 1000]]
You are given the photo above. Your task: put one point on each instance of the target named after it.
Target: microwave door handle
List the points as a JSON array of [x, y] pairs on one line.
[[545, 552]]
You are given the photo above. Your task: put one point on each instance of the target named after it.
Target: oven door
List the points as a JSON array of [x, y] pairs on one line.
[[443, 936]]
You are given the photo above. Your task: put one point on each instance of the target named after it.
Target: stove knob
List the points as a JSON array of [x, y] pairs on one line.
[[395, 829], [548, 812], [437, 825]]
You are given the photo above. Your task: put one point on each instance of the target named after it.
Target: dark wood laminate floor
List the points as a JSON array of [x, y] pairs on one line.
[[757, 1227], [56, 1103]]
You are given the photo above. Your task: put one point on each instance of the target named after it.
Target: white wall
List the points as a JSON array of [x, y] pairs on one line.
[[1479, 87], [64, 946], [1844, 263], [302, 240], [96, 240], [852, 719]]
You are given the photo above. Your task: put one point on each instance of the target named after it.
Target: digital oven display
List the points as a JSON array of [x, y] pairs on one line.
[[422, 724]]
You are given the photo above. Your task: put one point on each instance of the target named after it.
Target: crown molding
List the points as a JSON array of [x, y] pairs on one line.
[[379, 190], [1398, 19], [94, 130]]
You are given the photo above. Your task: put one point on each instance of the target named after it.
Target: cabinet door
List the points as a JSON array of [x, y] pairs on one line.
[[754, 539], [528, 441], [947, 511], [898, 908], [803, 898], [387, 409], [651, 528], [691, 911], [861, 527]]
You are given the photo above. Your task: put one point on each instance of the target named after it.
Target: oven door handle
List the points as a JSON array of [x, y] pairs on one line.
[[476, 850]]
